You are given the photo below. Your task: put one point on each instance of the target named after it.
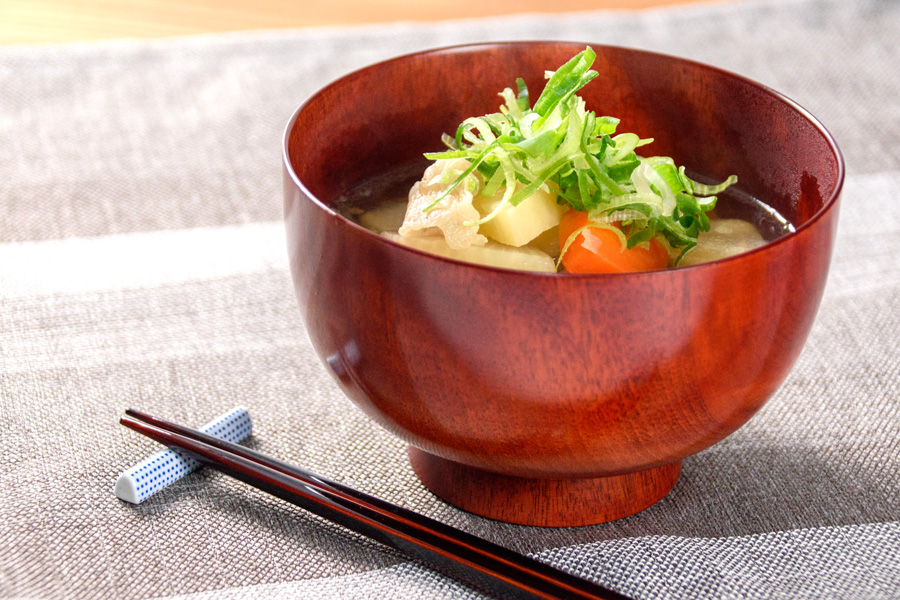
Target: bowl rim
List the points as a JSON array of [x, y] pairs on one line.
[[827, 205]]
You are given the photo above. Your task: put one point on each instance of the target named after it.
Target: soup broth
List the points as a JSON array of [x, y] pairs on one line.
[[739, 223]]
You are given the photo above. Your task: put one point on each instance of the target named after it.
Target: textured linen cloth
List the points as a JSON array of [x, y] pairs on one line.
[[142, 263]]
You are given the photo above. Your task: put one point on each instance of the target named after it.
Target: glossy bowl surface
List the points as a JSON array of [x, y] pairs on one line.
[[518, 390]]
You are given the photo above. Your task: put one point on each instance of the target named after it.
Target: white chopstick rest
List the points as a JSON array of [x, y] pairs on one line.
[[168, 466]]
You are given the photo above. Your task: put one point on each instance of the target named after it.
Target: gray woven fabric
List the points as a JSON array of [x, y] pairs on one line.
[[142, 264]]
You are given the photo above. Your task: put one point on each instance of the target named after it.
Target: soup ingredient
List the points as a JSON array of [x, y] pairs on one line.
[[434, 207], [561, 148], [386, 217], [726, 237], [554, 186], [520, 224], [491, 254], [599, 248]]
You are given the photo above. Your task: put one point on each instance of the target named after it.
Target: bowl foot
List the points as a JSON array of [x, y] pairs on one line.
[[543, 502]]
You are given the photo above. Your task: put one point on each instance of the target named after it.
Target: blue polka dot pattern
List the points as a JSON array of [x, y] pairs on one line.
[[168, 466]]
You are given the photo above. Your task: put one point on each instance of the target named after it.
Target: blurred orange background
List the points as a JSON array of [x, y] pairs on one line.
[[37, 21]]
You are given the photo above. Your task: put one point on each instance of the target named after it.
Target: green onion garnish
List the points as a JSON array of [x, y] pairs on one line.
[[559, 144]]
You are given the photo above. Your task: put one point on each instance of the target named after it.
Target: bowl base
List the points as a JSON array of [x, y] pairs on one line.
[[543, 502]]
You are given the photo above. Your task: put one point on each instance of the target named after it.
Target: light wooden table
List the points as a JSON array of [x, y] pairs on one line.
[[36, 21]]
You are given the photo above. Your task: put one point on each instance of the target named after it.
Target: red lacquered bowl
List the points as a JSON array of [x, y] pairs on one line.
[[556, 399]]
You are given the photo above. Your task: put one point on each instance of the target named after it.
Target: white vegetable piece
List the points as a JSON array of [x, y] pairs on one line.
[[492, 254], [518, 225], [451, 215], [726, 237], [387, 217]]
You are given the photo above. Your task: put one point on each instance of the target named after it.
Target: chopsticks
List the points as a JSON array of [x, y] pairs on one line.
[[469, 559]]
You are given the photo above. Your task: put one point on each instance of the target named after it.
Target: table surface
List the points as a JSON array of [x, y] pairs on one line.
[[28, 21], [143, 264]]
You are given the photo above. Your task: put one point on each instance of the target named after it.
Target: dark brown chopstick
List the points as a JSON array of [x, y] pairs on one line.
[[476, 562]]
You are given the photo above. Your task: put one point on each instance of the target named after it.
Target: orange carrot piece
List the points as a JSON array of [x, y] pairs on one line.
[[598, 250]]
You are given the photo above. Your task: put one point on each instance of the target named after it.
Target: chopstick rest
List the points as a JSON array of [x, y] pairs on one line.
[[168, 466]]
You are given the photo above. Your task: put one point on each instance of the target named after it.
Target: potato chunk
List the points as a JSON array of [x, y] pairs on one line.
[[518, 225], [492, 254]]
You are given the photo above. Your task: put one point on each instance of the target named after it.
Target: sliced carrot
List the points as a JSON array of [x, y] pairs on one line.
[[599, 250]]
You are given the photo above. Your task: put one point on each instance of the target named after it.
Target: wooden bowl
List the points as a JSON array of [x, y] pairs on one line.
[[541, 399]]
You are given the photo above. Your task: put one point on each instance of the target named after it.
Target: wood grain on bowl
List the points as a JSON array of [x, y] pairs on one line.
[[556, 399]]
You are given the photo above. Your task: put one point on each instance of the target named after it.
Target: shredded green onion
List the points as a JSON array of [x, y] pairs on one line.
[[560, 144]]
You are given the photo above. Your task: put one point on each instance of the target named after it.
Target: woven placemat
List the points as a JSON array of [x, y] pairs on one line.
[[142, 263]]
